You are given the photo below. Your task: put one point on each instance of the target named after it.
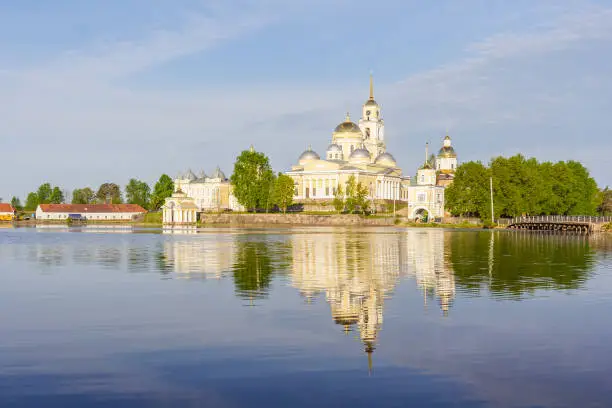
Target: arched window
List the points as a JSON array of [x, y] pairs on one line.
[[422, 178], [367, 133]]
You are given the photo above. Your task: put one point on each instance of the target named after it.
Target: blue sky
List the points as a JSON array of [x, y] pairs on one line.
[[105, 91]]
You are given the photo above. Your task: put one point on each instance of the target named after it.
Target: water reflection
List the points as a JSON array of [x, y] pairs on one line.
[[513, 265], [155, 326]]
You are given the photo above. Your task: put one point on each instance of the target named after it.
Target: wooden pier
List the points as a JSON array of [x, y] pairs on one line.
[[579, 224]]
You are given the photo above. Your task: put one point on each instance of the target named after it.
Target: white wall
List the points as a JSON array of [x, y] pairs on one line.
[[41, 215]]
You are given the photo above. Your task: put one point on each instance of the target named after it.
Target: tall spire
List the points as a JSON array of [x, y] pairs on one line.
[[371, 87], [426, 152], [348, 117]]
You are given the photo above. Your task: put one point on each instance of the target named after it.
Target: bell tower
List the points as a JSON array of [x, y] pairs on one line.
[[372, 125]]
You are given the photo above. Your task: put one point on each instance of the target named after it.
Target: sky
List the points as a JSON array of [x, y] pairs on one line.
[[96, 92]]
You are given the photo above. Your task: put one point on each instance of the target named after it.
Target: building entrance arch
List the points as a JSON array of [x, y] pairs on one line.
[[421, 214]]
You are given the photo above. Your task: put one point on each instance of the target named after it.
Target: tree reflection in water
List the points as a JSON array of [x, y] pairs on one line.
[[255, 263], [513, 264]]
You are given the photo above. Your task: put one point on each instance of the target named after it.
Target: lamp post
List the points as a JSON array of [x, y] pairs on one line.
[[492, 211]]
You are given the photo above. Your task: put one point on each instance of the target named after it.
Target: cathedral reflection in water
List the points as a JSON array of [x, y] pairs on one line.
[[355, 271]]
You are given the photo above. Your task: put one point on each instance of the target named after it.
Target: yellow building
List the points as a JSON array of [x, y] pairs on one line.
[[446, 163], [7, 212], [357, 150]]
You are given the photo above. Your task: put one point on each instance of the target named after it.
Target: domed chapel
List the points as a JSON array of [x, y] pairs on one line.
[[359, 149]]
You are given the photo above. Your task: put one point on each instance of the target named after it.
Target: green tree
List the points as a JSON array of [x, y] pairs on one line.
[[138, 192], [16, 203], [83, 196], [283, 191], [252, 179], [44, 193], [361, 197], [522, 187], [468, 195], [32, 202], [57, 196], [351, 194], [162, 190], [109, 191], [339, 199], [604, 206]]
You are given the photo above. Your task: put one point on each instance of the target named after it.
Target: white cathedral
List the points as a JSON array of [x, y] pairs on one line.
[[360, 150]]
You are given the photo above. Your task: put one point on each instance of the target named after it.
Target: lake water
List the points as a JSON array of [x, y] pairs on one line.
[[303, 317]]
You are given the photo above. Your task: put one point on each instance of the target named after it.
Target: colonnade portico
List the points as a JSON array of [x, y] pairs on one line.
[[179, 216], [179, 210], [319, 187], [389, 189], [325, 187]]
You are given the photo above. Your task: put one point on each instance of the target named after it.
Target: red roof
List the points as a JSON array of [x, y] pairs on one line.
[[6, 207], [92, 208]]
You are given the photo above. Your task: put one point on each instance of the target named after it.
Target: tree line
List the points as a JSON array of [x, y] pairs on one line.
[[525, 187], [136, 192]]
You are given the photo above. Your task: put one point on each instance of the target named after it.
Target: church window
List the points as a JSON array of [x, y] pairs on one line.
[[421, 197], [314, 191], [452, 166], [422, 178], [295, 192], [326, 191], [367, 133], [337, 155]]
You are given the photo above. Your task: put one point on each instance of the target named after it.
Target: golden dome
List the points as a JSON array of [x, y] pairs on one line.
[[371, 102], [347, 126], [447, 151]]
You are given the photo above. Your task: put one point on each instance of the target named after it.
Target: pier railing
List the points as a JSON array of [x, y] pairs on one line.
[[561, 219]]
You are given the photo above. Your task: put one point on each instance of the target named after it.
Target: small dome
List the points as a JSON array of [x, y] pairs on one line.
[[190, 175], [447, 151], [218, 174], [386, 159], [371, 102], [426, 166], [334, 148], [347, 126], [360, 155], [309, 155]]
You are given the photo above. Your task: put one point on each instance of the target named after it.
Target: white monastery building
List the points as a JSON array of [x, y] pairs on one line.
[[360, 150], [94, 212], [209, 193]]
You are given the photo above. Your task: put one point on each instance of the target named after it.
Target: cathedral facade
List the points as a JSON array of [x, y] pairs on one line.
[[360, 150]]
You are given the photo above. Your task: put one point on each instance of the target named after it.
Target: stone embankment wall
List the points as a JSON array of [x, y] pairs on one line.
[[294, 219]]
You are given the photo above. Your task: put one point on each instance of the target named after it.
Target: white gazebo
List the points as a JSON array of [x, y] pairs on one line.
[[179, 209]]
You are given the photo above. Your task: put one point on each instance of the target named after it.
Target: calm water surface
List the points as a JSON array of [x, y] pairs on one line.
[[318, 317]]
